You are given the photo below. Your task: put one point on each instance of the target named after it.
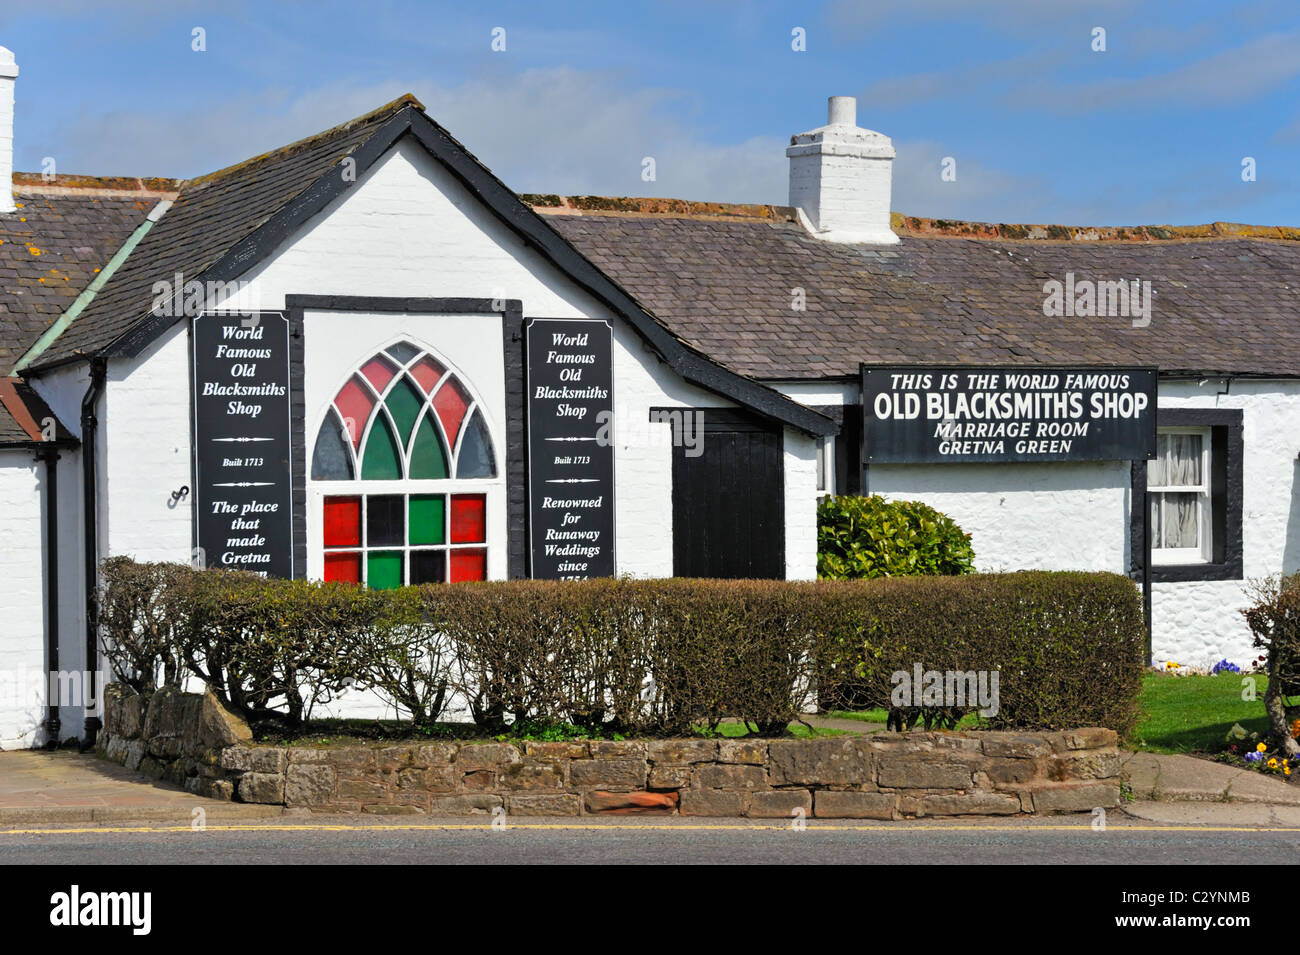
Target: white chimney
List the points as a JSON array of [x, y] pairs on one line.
[[840, 178], [8, 75]]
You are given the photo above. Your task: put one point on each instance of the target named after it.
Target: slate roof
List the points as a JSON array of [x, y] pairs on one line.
[[725, 284], [211, 214], [50, 249]]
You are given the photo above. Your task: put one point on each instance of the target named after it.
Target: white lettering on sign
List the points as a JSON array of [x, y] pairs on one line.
[[950, 414], [570, 407], [242, 441]]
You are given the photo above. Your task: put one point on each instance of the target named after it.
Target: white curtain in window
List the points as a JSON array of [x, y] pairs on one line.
[[1182, 512], [1175, 516], [1184, 468], [1177, 462]]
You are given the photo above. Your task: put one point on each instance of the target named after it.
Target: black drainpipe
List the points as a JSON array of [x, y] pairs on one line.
[[89, 427], [50, 456]]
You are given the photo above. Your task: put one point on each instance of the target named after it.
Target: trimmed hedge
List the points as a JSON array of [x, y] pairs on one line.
[[1069, 647], [867, 537], [651, 657]]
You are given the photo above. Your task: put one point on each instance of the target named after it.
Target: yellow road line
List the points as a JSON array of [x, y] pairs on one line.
[[597, 827]]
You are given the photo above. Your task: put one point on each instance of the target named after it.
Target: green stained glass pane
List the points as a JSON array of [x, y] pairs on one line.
[[426, 519], [384, 569], [428, 459], [382, 462], [404, 402]]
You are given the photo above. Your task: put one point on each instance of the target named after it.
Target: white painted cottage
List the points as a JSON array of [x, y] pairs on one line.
[[362, 357]]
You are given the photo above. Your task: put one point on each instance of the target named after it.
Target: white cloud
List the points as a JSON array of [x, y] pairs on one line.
[[568, 131], [1231, 76], [980, 192], [553, 130], [966, 81], [124, 142]]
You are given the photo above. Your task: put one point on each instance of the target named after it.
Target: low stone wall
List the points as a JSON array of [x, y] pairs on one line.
[[192, 741]]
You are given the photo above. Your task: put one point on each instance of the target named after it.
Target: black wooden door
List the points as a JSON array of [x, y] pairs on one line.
[[729, 501]]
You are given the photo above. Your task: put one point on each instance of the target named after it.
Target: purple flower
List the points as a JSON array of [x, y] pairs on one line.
[[1254, 757], [1225, 666]]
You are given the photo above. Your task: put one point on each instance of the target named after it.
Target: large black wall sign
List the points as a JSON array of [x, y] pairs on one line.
[[965, 413], [570, 448], [243, 493]]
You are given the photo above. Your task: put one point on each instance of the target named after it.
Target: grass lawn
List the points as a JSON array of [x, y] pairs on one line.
[[731, 729], [1180, 714], [348, 732], [970, 721], [1192, 714]]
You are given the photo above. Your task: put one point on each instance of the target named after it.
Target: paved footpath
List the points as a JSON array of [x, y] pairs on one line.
[[69, 787], [1171, 778]]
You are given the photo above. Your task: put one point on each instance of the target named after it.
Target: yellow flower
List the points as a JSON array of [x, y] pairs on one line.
[[1261, 748], [1272, 763]]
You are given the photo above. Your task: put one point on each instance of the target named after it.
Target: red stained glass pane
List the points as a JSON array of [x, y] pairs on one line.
[[427, 372], [345, 567], [468, 519], [342, 521], [468, 565], [379, 371], [354, 403], [450, 402]]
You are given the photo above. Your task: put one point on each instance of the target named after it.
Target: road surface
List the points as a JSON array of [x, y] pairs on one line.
[[347, 840]]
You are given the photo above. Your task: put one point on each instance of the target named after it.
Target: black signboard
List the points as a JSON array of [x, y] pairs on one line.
[[243, 488], [968, 413], [571, 448]]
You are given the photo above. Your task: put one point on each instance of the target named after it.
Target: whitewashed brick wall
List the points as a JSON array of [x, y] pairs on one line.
[[1199, 623], [22, 600], [145, 453]]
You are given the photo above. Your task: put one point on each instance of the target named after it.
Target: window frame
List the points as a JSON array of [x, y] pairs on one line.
[[1202, 552], [845, 475], [507, 556], [825, 466], [1227, 454], [405, 490], [493, 489]]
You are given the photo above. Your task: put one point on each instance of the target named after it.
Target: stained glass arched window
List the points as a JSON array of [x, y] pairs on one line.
[[404, 416]]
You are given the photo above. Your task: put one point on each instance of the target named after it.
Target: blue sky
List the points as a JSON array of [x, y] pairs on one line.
[[1042, 127]]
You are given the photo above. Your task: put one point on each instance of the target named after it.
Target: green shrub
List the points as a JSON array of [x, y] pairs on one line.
[[649, 657], [1069, 647], [404, 652], [269, 649], [141, 605], [656, 657], [864, 537], [728, 649]]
